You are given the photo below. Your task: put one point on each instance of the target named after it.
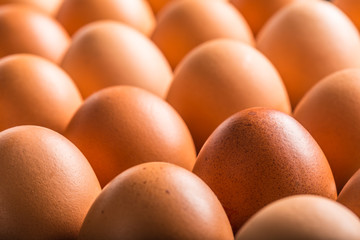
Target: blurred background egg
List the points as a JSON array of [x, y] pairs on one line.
[[257, 12], [73, 14], [330, 111], [184, 24], [119, 127], [108, 53], [35, 91], [220, 78], [350, 194], [258, 156], [156, 201], [46, 185], [308, 40], [302, 217], [48, 6], [351, 8], [24, 29]]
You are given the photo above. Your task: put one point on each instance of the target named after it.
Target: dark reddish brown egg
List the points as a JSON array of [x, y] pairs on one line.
[[258, 156], [350, 194]]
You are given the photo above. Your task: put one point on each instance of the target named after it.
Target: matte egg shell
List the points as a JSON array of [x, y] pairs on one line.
[[350, 194], [119, 127], [302, 217], [330, 111], [108, 53], [73, 14], [47, 6], [26, 30], [308, 40], [185, 24], [351, 8], [46, 185], [156, 201], [35, 91], [258, 156], [220, 78]]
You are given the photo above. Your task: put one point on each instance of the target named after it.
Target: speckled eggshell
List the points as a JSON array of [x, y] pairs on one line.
[[47, 6], [220, 78], [257, 12], [351, 8], [330, 112], [35, 91], [183, 25], [350, 194], [308, 40], [156, 201], [23, 29], [302, 217], [258, 156], [119, 127], [46, 185], [73, 14], [108, 53]]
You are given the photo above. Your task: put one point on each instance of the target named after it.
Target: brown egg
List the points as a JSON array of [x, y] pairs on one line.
[[35, 91], [330, 112], [107, 53], [25, 30], [302, 217], [157, 5], [119, 127], [350, 194], [257, 12], [258, 156], [46, 185], [73, 14], [351, 8], [220, 78], [156, 201], [308, 40], [185, 24], [47, 6]]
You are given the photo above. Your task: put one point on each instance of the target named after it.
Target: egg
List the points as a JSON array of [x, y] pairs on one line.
[[25, 30], [257, 12], [302, 217], [73, 14], [109, 53], [308, 40], [330, 112], [35, 91], [48, 6], [260, 155], [157, 5], [183, 25], [46, 185], [220, 78], [119, 127], [350, 194], [156, 201], [351, 8]]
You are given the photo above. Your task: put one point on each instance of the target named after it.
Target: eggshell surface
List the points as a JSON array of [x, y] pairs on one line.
[[108, 53], [258, 156], [26, 30], [302, 217], [73, 14], [308, 40], [156, 201], [47, 6], [220, 78], [123, 126], [350, 194], [35, 91], [46, 185], [185, 24], [330, 112], [351, 8]]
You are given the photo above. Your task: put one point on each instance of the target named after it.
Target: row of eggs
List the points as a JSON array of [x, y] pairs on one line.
[[251, 159]]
